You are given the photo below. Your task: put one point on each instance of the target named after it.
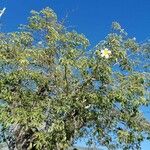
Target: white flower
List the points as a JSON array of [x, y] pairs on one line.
[[105, 53]]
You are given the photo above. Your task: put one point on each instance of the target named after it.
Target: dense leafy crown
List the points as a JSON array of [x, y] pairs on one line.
[[54, 90]]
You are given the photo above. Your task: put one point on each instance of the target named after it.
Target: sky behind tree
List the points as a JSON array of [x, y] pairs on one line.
[[90, 17]]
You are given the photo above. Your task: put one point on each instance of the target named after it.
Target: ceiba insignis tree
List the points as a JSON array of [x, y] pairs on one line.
[[54, 90]]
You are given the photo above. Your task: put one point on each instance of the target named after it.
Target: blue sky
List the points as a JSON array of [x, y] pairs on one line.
[[91, 17]]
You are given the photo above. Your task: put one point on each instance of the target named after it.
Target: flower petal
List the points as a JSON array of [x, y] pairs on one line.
[[106, 56]]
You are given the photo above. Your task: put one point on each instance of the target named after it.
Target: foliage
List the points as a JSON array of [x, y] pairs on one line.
[[55, 91]]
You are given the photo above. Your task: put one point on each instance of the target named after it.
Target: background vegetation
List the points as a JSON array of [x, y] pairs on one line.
[[54, 90]]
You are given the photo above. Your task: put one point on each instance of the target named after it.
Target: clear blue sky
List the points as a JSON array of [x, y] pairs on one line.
[[91, 17]]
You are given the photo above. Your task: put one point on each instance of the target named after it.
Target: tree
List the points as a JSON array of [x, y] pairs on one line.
[[55, 90]]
